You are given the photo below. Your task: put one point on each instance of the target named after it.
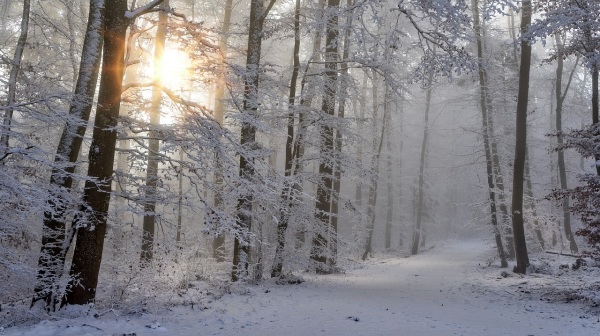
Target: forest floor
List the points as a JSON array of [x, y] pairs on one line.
[[448, 290]]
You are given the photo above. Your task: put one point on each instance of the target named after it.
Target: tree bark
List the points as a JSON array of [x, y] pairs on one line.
[[87, 255], [337, 175], [484, 105], [421, 191], [327, 233], [287, 194], [560, 98], [520, 145], [595, 109], [241, 247], [390, 185], [54, 247], [372, 197]]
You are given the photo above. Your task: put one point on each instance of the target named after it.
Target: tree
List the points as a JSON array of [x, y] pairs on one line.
[[241, 247], [153, 139], [560, 96], [219, 241], [579, 18], [288, 193], [15, 69], [91, 229], [421, 186], [319, 251], [54, 248], [521, 145], [484, 102]]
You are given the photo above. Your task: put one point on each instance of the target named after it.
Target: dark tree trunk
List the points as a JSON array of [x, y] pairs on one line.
[[595, 108], [421, 192], [287, 194], [54, 247], [319, 251], [91, 230], [390, 187], [483, 102], [521, 145], [372, 197], [337, 177], [560, 98], [241, 247]]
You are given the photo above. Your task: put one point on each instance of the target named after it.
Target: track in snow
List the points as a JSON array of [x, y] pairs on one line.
[[440, 292]]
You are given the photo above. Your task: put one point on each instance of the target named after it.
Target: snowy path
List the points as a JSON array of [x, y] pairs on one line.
[[440, 292]]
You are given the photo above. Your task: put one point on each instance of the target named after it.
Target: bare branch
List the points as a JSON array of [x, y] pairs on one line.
[[150, 7]]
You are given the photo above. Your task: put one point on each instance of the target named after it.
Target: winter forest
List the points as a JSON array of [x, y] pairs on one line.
[[195, 156]]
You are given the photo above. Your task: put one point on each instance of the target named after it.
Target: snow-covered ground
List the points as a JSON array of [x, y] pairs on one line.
[[448, 290]]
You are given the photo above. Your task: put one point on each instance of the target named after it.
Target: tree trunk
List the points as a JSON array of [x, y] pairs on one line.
[[12, 77], [241, 247], [319, 251], [390, 185], [54, 247], [218, 243], [307, 95], [520, 146], [560, 98], [372, 197], [287, 194], [421, 191], [153, 141], [179, 201], [338, 135], [484, 104], [401, 230], [595, 109], [87, 255]]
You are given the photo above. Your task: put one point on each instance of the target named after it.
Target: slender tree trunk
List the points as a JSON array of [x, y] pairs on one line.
[[595, 109], [560, 98], [372, 197], [359, 128], [319, 251], [337, 177], [307, 95], [218, 243], [483, 102], [179, 201], [520, 145], [54, 247], [148, 228], [421, 191], [390, 185], [13, 76], [401, 228], [287, 194], [87, 255], [241, 247]]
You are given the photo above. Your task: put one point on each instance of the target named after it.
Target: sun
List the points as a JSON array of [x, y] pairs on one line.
[[174, 68]]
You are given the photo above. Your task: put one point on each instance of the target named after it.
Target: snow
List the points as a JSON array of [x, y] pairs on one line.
[[448, 290]]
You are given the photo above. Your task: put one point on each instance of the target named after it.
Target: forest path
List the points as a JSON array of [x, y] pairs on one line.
[[443, 291]]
